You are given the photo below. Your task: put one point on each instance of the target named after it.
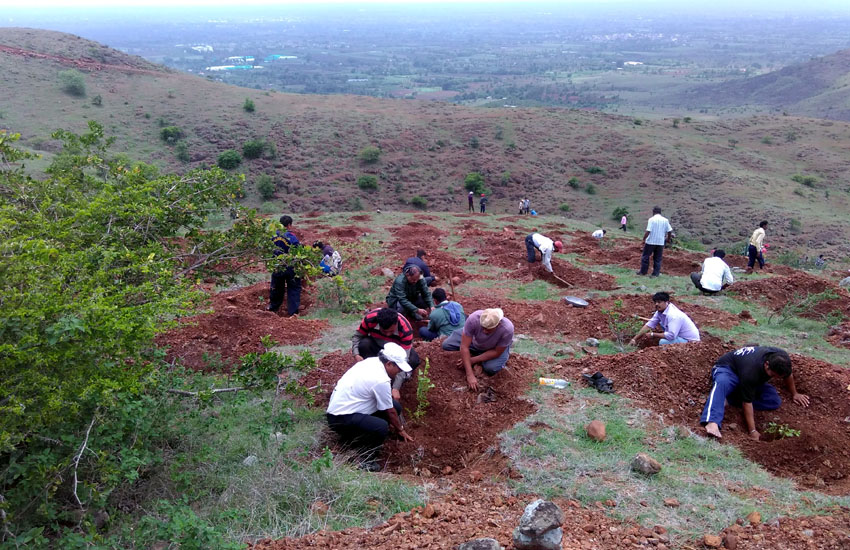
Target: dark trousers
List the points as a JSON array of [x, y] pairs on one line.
[[491, 367], [369, 347], [656, 251], [366, 432], [623, 227], [285, 282], [696, 276], [428, 335], [530, 249], [754, 255], [483, 207], [471, 207], [724, 384]]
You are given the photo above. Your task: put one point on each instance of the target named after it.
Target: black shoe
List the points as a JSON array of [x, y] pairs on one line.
[[600, 382], [371, 466], [272, 309], [638, 272]]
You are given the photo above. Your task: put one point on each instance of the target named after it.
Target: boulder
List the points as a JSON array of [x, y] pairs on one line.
[[388, 272], [550, 540], [596, 430], [645, 464], [731, 541], [480, 544], [250, 460], [592, 342], [539, 517], [711, 541], [754, 517], [845, 282]]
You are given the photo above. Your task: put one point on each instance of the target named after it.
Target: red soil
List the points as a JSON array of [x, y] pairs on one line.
[[779, 292]]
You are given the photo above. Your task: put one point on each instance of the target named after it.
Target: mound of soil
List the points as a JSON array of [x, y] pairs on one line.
[[362, 218], [780, 292], [415, 233], [459, 426], [674, 381], [839, 336], [234, 328]]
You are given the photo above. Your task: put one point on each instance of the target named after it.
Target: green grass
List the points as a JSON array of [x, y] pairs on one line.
[[712, 481], [535, 291]]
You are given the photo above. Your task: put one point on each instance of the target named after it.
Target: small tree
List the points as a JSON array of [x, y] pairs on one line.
[[590, 189], [248, 105], [181, 151], [266, 186], [564, 207], [474, 182], [230, 159], [254, 148], [419, 202], [97, 100], [619, 212], [367, 182], [170, 134], [369, 155], [72, 82], [574, 183]]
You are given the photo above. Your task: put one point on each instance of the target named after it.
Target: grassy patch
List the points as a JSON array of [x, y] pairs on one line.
[[714, 483], [536, 290]]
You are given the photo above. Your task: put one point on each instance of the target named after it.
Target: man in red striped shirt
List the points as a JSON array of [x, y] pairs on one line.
[[376, 329]]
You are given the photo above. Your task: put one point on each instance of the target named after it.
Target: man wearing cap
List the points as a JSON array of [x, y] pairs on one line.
[[423, 267], [376, 330], [482, 202], [409, 294], [362, 409], [741, 378], [484, 341], [545, 245], [715, 274], [445, 318], [678, 327], [471, 198]]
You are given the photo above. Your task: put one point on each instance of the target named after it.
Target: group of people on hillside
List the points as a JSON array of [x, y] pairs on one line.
[[482, 202], [365, 404]]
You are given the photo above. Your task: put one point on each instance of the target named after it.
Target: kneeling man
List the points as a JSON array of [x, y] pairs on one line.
[[484, 341], [741, 378], [361, 409]]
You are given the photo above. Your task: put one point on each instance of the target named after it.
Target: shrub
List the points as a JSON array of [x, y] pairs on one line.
[[367, 181], [619, 212], [369, 155], [687, 120], [675, 123], [808, 181], [254, 148], [590, 189], [594, 170], [767, 140], [574, 183], [230, 159], [473, 142], [419, 202], [474, 182], [170, 134], [249, 106], [181, 151], [564, 207], [266, 186], [97, 100], [794, 226], [638, 122], [72, 82], [506, 177]]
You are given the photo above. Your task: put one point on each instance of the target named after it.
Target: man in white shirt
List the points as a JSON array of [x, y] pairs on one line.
[[545, 245], [361, 409], [658, 233], [598, 234], [715, 274], [678, 327]]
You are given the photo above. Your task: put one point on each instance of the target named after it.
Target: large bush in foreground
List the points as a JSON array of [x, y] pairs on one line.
[[91, 267]]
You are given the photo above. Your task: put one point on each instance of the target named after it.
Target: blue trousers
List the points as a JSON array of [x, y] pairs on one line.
[[530, 249], [724, 384], [491, 367], [428, 335], [656, 251], [285, 282], [665, 341], [365, 431], [753, 256]]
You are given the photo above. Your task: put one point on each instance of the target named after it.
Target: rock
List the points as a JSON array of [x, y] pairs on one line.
[[593, 342], [731, 541], [521, 337], [429, 511], [808, 533], [551, 540], [480, 544], [646, 465], [447, 470], [754, 517], [539, 517], [642, 288], [671, 503], [596, 430], [802, 335], [845, 282], [250, 460], [319, 508], [475, 476], [388, 272], [711, 541], [456, 281], [745, 314]]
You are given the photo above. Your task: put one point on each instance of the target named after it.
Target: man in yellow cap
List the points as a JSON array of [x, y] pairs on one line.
[[484, 341]]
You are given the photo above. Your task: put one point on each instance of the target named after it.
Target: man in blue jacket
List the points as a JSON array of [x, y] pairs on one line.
[[283, 278], [445, 318]]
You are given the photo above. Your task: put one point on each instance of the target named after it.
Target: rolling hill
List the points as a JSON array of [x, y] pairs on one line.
[[714, 179]]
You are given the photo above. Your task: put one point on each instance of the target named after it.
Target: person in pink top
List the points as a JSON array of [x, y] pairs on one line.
[[623, 222]]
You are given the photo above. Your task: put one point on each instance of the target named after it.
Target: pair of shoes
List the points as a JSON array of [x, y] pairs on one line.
[[600, 382], [638, 272]]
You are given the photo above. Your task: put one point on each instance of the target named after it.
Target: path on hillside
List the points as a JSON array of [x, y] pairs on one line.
[[83, 63]]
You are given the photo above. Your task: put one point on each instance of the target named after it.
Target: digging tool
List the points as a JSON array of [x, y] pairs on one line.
[[559, 279], [635, 316], [451, 282]]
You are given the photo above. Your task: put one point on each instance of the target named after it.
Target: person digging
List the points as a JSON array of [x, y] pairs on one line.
[[546, 246], [484, 343], [741, 377]]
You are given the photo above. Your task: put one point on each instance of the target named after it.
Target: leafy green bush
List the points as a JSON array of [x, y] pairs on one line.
[[474, 182], [230, 159], [367, 182], [594, 170], [419, 202], [564, 207], [619, 212], [574, 183], [72, 82], [794, 226], [808, 181], [266, 186], [253, 149], [473, 142], [97, 100], [590, 189], [767, 140], [181, 151], [249, 106], [369, 155], [170, 134]]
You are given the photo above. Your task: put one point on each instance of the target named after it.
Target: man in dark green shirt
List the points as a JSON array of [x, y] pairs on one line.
[[445, 318], [741, 377], [409, 294]]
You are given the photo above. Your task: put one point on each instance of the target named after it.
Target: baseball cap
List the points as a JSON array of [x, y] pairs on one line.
[[396, 354]]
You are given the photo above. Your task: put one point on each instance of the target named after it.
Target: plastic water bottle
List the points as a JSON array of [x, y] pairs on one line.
[[554, 382]]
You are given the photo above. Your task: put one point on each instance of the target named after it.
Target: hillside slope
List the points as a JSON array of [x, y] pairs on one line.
[[715, 180]]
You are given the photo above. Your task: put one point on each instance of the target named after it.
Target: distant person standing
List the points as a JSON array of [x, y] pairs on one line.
[[522, 206], [756, 247], [658, 232], [482, 202], [284, 280], [623, 222], [471, 198], [527, 205]]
